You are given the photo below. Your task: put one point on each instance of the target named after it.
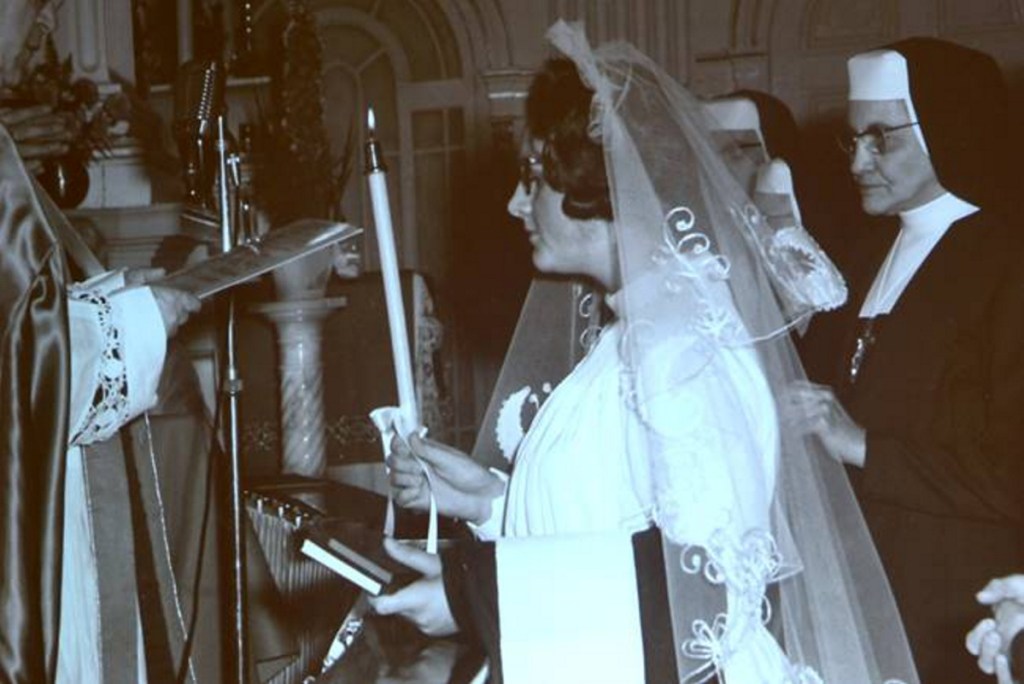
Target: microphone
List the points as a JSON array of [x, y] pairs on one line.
[[198, 100]]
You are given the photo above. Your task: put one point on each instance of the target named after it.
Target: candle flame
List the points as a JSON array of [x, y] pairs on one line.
[[371, 120]]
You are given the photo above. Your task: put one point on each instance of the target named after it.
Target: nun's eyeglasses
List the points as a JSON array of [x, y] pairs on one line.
[[529, 177], [875, 139]]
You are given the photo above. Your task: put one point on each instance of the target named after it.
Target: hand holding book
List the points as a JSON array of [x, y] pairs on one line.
[[423, 602]]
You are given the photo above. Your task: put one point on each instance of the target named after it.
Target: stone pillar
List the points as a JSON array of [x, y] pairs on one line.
[[82, 33], [120, 39], [299, 326]]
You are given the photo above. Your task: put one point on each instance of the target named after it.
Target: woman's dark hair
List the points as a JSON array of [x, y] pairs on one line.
[[558, 113]]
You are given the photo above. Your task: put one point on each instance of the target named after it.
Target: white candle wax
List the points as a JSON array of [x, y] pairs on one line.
[[393, 294]]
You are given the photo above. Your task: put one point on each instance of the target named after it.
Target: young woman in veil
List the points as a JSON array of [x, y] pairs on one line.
[[658, 525]]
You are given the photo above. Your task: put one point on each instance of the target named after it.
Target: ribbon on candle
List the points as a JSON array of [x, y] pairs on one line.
[[387, 419]]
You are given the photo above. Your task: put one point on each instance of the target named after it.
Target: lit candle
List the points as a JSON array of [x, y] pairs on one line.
[[376, 177]]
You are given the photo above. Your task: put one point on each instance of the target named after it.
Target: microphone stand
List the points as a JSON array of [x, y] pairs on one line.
[[233, 387]]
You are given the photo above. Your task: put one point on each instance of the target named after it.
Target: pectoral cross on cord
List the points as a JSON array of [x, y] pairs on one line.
[[865, 340]]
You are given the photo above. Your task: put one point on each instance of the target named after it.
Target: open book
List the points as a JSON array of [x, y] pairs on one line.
[[245, 262]]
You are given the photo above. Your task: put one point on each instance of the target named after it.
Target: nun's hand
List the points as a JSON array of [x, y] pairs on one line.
[[1010, 588], [811, 409], [991, 638]]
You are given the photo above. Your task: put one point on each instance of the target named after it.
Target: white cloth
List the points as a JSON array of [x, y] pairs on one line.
[[921, 230], [569, 609], [583, 467], [734, 114], [133, 325]]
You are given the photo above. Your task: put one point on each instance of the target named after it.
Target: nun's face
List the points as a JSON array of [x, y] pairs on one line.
[[735, 130], [561, 244], [899, 176]]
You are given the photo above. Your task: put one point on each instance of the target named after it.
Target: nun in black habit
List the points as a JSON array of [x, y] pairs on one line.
[[926, 362]]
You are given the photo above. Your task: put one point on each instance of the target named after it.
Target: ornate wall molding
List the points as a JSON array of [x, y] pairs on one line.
[[834, 24], [979, 16], [810, 40], [751, 25], [484, 39], [730, 43]]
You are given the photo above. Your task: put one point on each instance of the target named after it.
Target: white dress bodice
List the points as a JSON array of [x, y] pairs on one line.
[[585, 464], [574, 471]]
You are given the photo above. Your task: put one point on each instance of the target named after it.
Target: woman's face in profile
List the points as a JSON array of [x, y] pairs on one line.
[[560, 244]]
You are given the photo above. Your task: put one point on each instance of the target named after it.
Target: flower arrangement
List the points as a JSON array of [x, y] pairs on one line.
[[91, 118]]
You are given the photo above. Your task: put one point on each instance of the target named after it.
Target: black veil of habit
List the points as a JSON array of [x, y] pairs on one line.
[[963, 108]]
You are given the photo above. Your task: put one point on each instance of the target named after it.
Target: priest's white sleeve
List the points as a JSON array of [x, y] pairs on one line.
[[118, 344]]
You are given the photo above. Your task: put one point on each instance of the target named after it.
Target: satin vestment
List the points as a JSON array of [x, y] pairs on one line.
[[34, 380]]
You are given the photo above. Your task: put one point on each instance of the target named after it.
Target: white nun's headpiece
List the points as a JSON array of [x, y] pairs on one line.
[[734, 114], [883, 75]]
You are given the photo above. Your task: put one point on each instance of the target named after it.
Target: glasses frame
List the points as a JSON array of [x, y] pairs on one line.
[[528, 178], [875, 137]]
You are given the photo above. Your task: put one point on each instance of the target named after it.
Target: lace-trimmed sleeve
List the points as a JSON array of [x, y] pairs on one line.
[[98, 350], [118, 345]]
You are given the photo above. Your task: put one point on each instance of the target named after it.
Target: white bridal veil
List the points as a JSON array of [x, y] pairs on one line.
[[771, 572]]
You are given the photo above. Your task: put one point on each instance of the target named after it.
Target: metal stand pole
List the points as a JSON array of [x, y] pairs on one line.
[[233, 387]]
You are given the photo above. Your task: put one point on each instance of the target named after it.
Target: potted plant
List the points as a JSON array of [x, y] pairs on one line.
[[90, 119]]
